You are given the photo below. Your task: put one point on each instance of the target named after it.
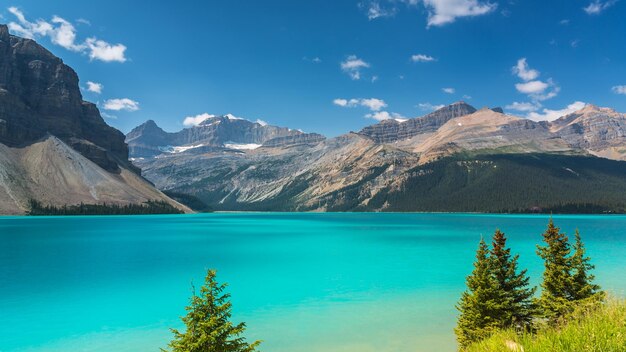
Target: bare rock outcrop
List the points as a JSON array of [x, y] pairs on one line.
[[54, 146], [39, 94], [148, 139], [393, 130]]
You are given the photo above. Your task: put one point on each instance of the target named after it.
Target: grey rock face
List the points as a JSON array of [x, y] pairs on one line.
[[39, 95], [145, 140], [298, 139], [593, 128], [55, 147], [391, 130], [148, 139]]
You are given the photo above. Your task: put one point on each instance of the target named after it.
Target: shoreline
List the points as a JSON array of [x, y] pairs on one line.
[[315, 212]]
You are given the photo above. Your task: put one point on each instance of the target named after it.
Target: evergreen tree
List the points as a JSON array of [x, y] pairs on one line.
[[557, 286], [519, 308], [481, 303], [583, 286], [208, 323]]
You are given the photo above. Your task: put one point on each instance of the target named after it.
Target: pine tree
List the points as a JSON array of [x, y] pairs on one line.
[[557, 283], [481, 303], [583, 286], [519, 308], [208, 323]]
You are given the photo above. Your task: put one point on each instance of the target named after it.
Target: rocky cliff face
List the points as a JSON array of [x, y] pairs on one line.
[[601, 131], [391, 130], [145, 140], [293, 140], [39, 95], [149, 140], [55, 147]]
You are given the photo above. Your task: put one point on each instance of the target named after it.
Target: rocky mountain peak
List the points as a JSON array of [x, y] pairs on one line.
[[590, 108], [227, 118], [147, 128], [40, 95], [215, 133], [459, 106], [588, 112], [387, 132], [150, 124], [54, 146]]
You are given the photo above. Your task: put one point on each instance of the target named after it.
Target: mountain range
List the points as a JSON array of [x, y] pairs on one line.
[[55, 148], [422, 164]]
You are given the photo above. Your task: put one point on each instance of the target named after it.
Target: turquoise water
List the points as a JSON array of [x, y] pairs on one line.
[[302, 282]]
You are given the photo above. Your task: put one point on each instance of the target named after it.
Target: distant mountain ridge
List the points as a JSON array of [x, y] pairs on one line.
[[149, 140], [392, 130], [55, 147], [356, 170]]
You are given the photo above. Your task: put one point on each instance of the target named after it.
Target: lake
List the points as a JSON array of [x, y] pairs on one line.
[[302, 282]]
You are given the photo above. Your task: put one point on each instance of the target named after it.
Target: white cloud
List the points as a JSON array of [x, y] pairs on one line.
[[341, 102], [384, 115], [551, 115], [94, 87], [524, 107], [532, 87], [422, 58], [441, 12], [448, 90], [353, 66], [83, 21], [26, 28], [196, 120], [553, 92], [375, 10], [598, 6], [121, 104], [523, 71], [63, 33], [429, 106], [103, 51], [373, 104], [537, 90], [619, 89], [315, 60]]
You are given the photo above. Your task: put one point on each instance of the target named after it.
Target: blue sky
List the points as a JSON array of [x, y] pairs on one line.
[[332, 66]]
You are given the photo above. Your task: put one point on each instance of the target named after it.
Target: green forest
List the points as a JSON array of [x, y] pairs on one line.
[[511, 183], [489, 183], [149, 207]]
